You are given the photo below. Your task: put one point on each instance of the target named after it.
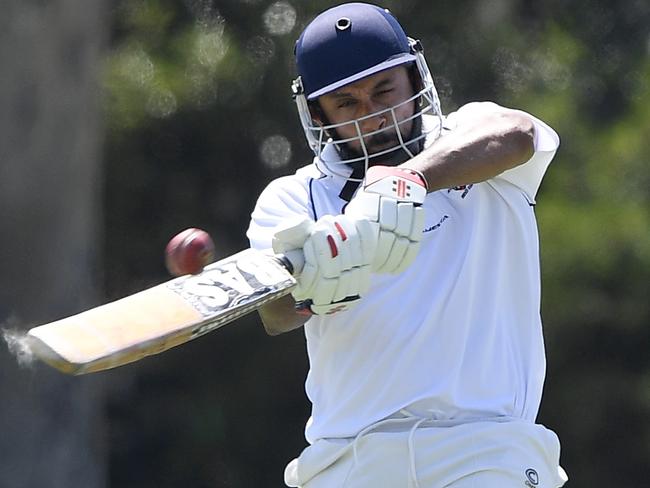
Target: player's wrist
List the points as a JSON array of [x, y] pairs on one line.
[[423, 179], [399, 182]]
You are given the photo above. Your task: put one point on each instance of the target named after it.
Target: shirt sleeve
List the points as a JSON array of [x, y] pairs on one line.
[[528, 176], [283, 198]]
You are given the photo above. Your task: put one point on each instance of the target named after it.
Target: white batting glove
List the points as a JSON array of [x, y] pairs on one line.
[[391, 198], [291, 234], [338, 251]]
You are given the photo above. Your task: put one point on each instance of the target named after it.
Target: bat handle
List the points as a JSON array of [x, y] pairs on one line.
[[293, 260]]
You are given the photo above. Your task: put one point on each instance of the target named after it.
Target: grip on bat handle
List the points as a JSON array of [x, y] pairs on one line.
[[293, 260]]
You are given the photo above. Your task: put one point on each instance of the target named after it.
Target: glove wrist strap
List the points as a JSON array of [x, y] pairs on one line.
[[420, 174], [376, 173]]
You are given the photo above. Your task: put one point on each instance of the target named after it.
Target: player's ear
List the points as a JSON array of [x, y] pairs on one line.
[[319, 118], [317, 113]]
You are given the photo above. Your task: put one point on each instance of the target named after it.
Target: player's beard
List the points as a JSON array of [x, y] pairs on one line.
[[379, 142]]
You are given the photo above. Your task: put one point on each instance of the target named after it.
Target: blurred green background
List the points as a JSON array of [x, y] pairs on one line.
[[123, 122]]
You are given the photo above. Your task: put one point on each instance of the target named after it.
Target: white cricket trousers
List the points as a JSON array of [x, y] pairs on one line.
[[427, 454]]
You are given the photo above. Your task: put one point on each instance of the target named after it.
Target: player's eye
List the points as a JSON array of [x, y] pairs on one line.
[[348, 102], [385, 91]]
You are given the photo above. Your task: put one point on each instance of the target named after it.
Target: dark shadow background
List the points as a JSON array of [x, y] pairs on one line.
[[124, 122]]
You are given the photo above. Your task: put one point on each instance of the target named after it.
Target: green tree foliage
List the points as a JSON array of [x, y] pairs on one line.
[[200, 119]]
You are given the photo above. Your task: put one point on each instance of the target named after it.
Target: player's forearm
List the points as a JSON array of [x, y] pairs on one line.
[[477, 150], [280, 316]]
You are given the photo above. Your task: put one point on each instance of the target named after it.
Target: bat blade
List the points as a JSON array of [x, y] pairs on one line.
[[164, 316]]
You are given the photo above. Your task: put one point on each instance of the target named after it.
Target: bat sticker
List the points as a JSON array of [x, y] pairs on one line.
[[231, 285]]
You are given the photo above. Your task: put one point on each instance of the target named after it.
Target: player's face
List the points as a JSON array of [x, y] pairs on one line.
[[367, 96]]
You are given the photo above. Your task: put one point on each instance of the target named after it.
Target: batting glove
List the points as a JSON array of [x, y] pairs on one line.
[[338, 251], [391, 198]]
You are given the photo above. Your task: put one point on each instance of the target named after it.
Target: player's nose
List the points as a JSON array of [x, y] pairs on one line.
[[373, 119]]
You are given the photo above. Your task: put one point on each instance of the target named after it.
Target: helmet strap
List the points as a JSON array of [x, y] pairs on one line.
[[358, 171]]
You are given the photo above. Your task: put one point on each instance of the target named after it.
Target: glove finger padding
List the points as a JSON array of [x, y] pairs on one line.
[[384, 248], [388, 214], [306, 282], [335, 244], [367, 233], [321, 251], [364, 205], [395, 262], [348, 285], [405, 216], [291, 234], [336, 294], [325, 291], [409, 256], [348, 244], [391, 198], [337, 255], [331, 249]]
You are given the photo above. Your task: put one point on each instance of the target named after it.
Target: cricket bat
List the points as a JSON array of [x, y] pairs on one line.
[[166, 315]]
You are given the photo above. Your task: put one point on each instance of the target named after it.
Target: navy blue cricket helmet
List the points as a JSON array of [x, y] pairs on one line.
[[341, 46]]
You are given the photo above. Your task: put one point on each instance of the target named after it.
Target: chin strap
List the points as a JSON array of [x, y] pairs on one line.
[[351, 186]]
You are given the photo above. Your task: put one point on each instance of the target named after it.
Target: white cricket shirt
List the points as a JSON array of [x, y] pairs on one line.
[[455, 336]]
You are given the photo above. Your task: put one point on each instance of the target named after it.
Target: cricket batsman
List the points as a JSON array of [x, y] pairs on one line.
[[420, 294]]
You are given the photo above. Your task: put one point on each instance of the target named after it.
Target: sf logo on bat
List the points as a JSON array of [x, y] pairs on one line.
[[230, 284]]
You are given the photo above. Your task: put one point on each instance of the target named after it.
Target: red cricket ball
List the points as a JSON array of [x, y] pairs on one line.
[[188, 252]]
